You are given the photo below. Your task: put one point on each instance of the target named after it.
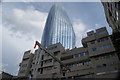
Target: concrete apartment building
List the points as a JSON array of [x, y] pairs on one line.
[[4, 75], [96, 59], [25, 65], [105, 61], [112, 13]]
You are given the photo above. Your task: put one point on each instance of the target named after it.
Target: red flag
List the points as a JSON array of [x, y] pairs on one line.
[[35, 45]]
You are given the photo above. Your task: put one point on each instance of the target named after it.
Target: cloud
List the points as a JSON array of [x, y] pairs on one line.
[[28, 22], [31, 22], [98, 26], [80, 31], [13, 49], [20, 29], [3, 67]]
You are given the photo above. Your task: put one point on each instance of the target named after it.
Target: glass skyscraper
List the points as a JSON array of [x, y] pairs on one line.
[[58, 28]]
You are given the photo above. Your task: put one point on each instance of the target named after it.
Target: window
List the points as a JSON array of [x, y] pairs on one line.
[[38, 69], [84, 76], [86, 53], [65, 53], [41, 71], [56, 53], [48, 68], [94, 49], [63, 73], [25, 59], [107, 64], [55, 67], [110, 14], [104, 64], [105, 46], [80, 63], [87, 62], [70, 65], [24, 65], [98, 66], [107, 72], [38, 56], [48, 61], [112, 63], [81, 54], [114, 71], [84, 63], [46, 54], [101, 32], [54, 60], [76, 55], [90, 34], [22, 71], [117, 15], [92, 42], [108, 4], [51, 48], [66, 58], [111, 55], [100, 73], [102, 39], [97, 58], [105, 57]]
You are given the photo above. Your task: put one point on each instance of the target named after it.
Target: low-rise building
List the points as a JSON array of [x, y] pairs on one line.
[[5, 76], [25, 65], [96, 59], [112, 13]]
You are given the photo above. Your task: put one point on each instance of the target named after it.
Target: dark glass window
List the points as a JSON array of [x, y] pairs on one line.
[[56, 53], [94, 49], [99, 66], [101, 32], [105, 46], [102, 39], [81, 54], [86, 53], [48, 68], [92, 42], [51, 48], [76, 55], [24, 65], [38, 69], [66, 58], [25, 59], [48, 61], [22, 71]]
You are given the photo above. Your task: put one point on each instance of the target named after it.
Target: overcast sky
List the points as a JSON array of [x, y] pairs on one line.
[[23, 24]]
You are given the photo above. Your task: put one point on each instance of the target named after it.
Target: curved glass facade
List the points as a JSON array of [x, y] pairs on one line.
[[58, 28]]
